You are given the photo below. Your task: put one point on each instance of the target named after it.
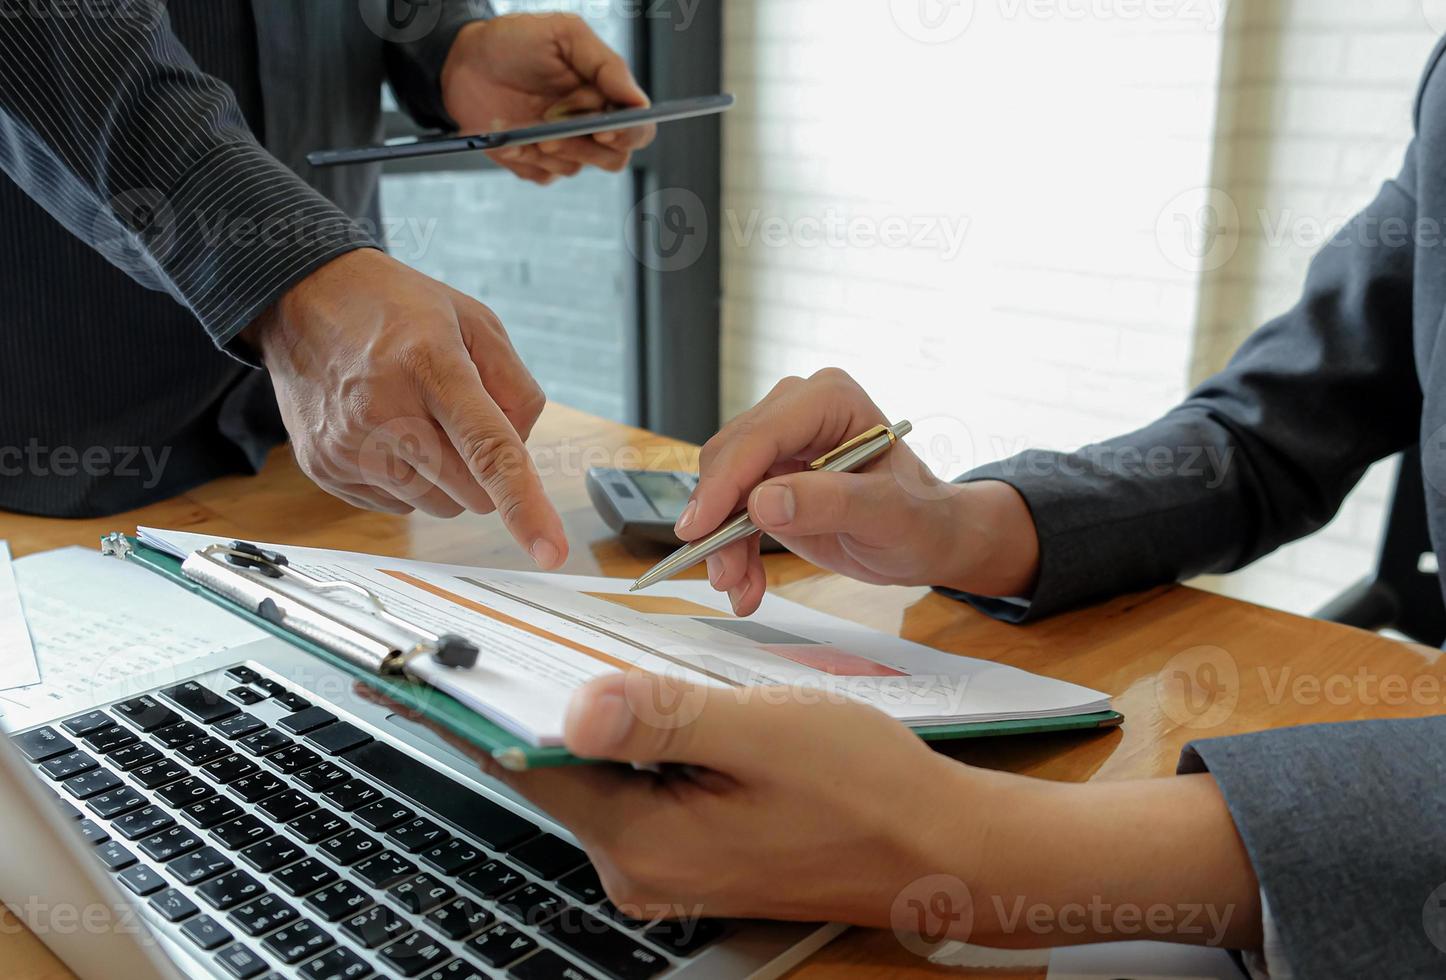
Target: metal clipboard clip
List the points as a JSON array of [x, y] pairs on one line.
[[368, 635]]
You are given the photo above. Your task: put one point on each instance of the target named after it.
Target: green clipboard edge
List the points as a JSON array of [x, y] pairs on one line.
[[513, 752]]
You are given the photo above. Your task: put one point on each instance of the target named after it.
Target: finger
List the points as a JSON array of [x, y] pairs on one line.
[[798, 420], [369, 498], [599, 65], [728, 566], [649, 718], [424, 473], [862, 505], [497, 461], [500, 367], [531, 156], [586, 151], [524, 170], [747, 596], [628, 140]]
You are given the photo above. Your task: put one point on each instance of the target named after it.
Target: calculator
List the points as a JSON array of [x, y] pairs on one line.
[[643, 505]]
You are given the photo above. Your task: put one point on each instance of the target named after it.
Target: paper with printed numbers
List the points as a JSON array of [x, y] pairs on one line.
[[17, 653]]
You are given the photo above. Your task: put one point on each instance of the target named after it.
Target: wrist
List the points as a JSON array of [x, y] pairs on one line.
[[992, 545]]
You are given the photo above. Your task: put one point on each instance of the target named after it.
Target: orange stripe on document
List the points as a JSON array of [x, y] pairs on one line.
[[502, 617]]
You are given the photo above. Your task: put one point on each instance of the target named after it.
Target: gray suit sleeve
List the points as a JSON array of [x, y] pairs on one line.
[[1262, 453], [106, 121], [414, 63], [1342, 827]]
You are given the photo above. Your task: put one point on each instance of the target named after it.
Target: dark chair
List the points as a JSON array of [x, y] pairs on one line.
[[1404, 594]]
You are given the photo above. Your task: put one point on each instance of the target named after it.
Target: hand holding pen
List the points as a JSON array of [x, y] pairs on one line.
[[893, 522]]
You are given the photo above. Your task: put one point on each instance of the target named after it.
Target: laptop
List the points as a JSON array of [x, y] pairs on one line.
[[260, 820]]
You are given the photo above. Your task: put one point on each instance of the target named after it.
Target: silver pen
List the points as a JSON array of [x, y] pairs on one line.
[[859, 451]]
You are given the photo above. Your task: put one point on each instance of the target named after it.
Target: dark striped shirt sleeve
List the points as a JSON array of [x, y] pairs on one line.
[[107, 122]]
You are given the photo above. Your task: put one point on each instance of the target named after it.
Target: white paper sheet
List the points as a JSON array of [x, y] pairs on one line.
[[544, 635], [17, 654], [1142, 961], [96, 620]]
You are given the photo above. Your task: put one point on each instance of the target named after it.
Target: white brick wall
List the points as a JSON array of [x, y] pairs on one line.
[[1065, 136]]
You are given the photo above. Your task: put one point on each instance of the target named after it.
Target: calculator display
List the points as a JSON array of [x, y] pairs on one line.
[[664, 491]]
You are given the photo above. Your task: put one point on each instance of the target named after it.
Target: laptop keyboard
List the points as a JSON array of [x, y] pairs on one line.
[[310, 846]]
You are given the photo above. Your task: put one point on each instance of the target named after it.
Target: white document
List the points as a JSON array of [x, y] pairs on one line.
[[1142, 961], [17, 654], [96, 621], [544, 635]]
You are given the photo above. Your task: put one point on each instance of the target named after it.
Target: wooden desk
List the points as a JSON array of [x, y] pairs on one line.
[[1135, 647]]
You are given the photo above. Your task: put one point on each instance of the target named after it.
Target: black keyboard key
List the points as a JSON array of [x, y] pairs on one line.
[[93, 832], [269, 687], [385, 867], [173, 905], [298, 941], [92, 721], [64, 766], [584, 885], [418, 835], [238, 726], [291, 701], [456, 970], [323, 776], [304, 877], [272, 853], [176, 735], [231, 889], [65, 806], [349, 848], [120, 800], [142, 880], [338, 900], [42, 743], [492, 880], [338, 738], [110, 739], [230, 768], [159, 773], [264, 741], [86, 785], [531, 904], [200, 702], [240, 962], [293, 758], [336, 964], [383, 814], [351, 794], [420, 893], [304, 721], [141, 823], [494, 825], [197, 866], [133, 757], [250, 789], [684, 937], [318, 825], [206, 932], [169, 843], [547, 856], [501, 945], [245, 695], [146, 713], [114, 856], [547, 965], [414, 953], [204, 749], [185, 792], [242, 674], [211, 813], [262, 915], [453, 856], [459, 918], [286, 805], [245, 830], [602, 947], [375, 926]]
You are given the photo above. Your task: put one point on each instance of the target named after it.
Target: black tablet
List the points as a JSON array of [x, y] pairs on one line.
[[581, 125]]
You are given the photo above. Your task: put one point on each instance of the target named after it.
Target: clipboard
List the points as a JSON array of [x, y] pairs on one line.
[[245, 580]]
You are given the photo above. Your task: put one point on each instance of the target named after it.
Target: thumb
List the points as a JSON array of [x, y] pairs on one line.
[[808, 503], [642, 717], [599, 65]]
